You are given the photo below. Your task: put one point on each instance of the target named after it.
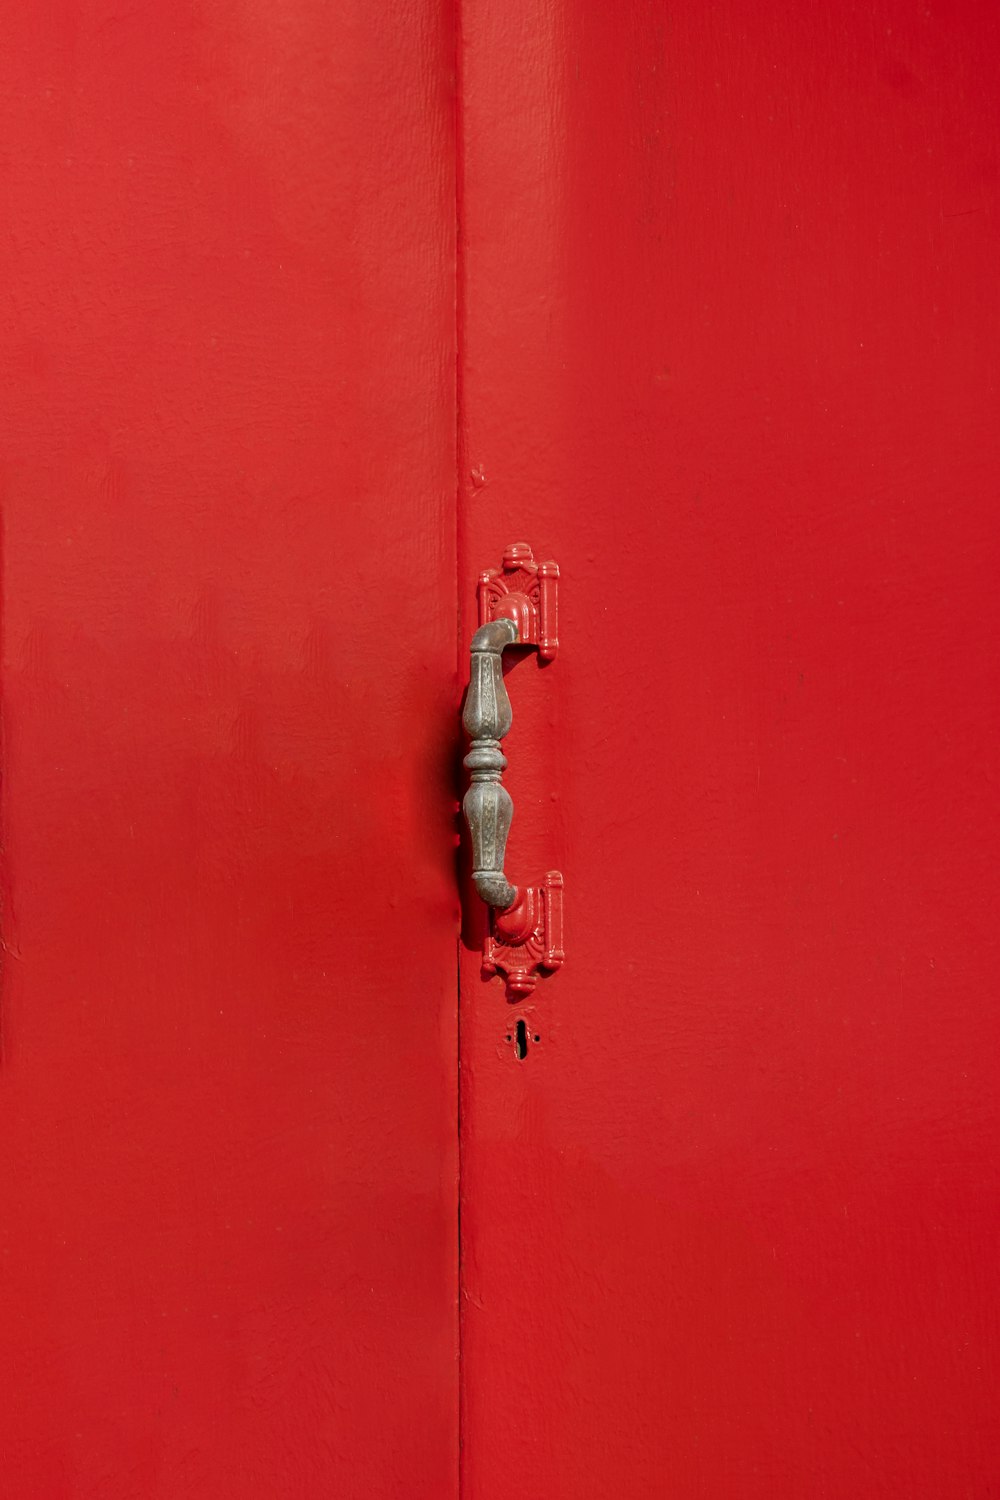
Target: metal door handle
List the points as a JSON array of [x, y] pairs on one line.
[[517, 606], [487, 804]]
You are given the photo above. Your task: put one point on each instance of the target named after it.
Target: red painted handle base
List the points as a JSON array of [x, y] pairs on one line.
[[526, 937], [526, 592]]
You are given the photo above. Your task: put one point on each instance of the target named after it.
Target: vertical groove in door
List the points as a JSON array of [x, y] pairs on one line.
[[459, 164]]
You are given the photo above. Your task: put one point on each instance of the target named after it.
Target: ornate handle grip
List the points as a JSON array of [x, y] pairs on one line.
[[487, 805]]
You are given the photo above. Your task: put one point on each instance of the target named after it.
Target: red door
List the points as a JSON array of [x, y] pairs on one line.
[[227, 1105], [730, 350], [726, 350]]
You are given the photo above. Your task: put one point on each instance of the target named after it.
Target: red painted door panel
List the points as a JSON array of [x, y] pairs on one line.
[[729, 352], [227, 1103]]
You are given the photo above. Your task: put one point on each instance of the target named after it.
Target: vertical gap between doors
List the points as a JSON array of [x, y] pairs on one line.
[[459, 168]]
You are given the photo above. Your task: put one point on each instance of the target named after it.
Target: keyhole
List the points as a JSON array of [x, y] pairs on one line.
[[521, 1040]]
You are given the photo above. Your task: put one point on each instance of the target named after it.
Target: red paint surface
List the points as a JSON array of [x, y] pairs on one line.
[[729, 355], [227, 1105]]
